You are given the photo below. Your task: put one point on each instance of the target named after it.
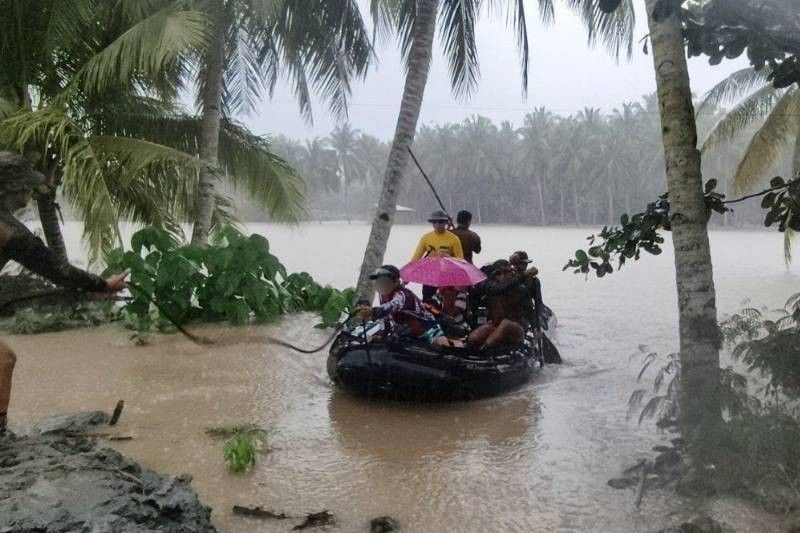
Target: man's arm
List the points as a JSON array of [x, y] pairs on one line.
[[395, 304], [31, 252], [476, 243]]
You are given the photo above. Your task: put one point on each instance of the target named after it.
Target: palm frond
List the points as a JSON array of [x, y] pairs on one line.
[[769, 142], [67, 23], [146, 49], [788, 236], [83, 179], [249, 163], [747, 112], [457, 32], [733, 88], [615, 30]]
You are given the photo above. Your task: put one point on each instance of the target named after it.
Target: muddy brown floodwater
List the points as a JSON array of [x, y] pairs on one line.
[[537, 459]]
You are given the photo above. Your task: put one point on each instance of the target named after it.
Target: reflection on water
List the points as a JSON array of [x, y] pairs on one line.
[[535, 460]]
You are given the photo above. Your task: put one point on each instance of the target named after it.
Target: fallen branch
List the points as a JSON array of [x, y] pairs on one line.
[[322, 518], [258, 512], [107, 436]]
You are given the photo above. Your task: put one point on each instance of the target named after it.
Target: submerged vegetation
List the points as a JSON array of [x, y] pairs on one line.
[[244, 443], [236, 280]]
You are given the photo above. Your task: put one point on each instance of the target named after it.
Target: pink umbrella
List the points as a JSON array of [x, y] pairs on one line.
[[442, 272]]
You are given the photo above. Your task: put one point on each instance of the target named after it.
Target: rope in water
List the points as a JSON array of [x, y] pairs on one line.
[[197, 339]]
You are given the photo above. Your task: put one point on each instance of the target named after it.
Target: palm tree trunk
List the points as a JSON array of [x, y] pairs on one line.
[[209, 135], [697, 310], [540, 191], [410, 106], [796, 158], [48, 215]]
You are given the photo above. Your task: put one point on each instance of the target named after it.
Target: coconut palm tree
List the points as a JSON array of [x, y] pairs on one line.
[[416, 23], [60, 63], [697, 311], [343, 141], [320, 45]]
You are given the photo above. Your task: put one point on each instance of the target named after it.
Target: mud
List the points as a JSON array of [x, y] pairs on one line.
[[53, 482]]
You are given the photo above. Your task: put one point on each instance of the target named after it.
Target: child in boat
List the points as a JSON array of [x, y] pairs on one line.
[[403, 307], [450, 306]]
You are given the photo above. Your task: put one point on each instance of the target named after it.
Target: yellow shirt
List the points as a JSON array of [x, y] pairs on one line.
[[433, 244]]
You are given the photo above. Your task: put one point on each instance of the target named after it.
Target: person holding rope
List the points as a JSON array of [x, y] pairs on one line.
[[439, 242], [18, 182]]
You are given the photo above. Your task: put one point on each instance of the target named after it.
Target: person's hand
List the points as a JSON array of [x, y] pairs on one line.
[[532, 272], [364, 312], [117, 282]]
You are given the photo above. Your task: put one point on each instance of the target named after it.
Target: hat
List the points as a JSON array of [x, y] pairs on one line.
[[386, 271], [500, 264], [17, 174], [522, 257], [439, 216]]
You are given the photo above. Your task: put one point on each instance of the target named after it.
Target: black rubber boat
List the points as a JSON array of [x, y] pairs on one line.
[[406, 369]]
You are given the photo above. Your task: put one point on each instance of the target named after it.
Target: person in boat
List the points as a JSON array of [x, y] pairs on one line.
[[18, 182], [520, 263], [403, 307], [470, 241], [509, 305], [438, 243], [450, 306]]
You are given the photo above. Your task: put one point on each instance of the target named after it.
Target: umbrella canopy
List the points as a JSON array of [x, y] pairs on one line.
[[442, 272]]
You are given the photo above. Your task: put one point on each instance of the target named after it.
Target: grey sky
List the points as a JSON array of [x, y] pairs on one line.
[[565, 76]]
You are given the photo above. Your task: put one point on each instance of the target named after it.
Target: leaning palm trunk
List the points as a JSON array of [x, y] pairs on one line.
[[417, 77], [697, 311], [209, 135]]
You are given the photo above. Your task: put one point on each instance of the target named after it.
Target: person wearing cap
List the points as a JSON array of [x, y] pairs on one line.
[[18, 182], [510, 308], [438, 243], [402, 306], [520, 262], [470, 241]]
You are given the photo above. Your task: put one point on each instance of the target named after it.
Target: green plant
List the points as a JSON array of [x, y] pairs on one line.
[[769, 345], [237, 280], [245, 442]]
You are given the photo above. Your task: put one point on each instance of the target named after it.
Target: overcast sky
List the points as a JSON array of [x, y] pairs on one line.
[[565, 76]]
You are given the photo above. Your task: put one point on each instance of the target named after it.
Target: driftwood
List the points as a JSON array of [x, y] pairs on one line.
[[322, 518], [117, 413], [107, 436], [258, 512]]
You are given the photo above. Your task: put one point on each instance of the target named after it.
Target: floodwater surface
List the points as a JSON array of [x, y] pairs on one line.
[[536, 459]]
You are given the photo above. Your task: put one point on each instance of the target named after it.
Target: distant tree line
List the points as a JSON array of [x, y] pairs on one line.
[[582, 169]]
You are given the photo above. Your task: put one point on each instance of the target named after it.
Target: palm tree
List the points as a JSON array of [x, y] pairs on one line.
[[321, 45], [697, 311], [416, 24], [343, 140], [60, 64]]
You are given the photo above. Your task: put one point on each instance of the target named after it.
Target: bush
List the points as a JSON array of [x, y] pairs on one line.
[[238, 281]]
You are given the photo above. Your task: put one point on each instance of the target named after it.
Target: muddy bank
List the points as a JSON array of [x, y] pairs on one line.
[[51, 481]]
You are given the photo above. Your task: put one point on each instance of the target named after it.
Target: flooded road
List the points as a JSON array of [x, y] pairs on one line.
[[537, 459]]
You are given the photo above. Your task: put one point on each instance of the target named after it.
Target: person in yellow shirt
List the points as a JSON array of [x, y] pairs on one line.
[[437, 243]]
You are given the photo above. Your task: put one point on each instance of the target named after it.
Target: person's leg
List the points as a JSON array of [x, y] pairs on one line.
[[428, 293], [508, 332], [7, 361], [479, 336]]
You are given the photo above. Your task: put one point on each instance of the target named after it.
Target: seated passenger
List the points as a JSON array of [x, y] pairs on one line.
[[451, 309], [510, 308], [403, 307]]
